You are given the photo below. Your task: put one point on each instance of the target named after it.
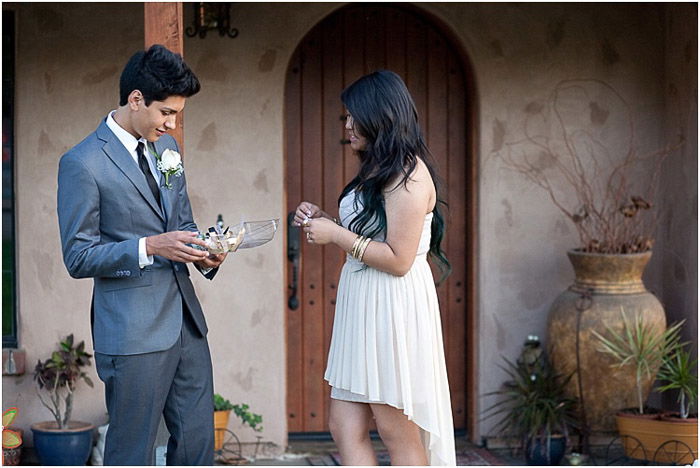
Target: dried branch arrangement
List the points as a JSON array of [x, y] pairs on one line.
[[607, 193]]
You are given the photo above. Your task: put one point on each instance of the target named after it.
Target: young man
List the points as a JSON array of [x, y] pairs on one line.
[[123, 226]]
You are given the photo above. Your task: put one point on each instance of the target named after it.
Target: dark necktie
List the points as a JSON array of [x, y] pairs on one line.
[[143, 164]]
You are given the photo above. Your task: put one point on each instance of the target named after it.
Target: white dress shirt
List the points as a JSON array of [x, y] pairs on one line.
[[130, 143]]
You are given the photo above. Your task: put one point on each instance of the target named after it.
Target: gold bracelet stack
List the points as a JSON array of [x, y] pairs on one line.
[[359, 247]]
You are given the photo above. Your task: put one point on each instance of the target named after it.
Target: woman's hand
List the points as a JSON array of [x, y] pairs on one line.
[[307, 210], [212, 261], [320, 231]]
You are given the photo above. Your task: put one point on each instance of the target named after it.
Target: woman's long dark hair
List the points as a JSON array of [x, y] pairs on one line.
[[384, 113]]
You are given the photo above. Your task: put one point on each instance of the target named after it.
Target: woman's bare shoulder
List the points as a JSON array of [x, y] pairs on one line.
[[419, 185]]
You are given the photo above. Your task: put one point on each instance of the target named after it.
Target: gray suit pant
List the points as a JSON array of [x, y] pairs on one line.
[[176, 383]]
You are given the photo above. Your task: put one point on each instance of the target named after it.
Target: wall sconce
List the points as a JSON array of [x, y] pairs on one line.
[[209, 17]]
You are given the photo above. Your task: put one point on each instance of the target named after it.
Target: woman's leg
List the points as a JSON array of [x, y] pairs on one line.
[[349, 425], [401, 436]]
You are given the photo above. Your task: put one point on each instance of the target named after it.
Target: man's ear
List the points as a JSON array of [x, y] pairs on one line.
[[135, 99]]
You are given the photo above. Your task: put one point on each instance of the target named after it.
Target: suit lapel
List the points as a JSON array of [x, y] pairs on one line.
[[166, 194], [123, 160]]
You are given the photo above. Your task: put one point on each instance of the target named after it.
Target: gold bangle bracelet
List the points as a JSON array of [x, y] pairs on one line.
[[353, 250], [361, 254], [359, 247]]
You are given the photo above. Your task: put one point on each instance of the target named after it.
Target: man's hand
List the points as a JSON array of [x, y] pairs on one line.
[[171, 245], [212, 261]]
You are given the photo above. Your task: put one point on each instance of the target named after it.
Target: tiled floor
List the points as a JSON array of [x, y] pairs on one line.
[[324, 453]]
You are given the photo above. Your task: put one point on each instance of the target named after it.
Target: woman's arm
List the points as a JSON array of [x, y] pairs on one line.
[[406, 208]]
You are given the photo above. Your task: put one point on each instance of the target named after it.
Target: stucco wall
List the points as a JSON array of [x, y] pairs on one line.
[[69, 59], [678, 231]]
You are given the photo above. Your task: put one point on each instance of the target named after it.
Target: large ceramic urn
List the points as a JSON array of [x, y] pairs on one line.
[[606, 286]]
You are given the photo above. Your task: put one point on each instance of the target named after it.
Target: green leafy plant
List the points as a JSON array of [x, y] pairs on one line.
[[252, 419], [58, 378], [221, 403], [680, 371], [242, 411], [641, 346], [534, 406]]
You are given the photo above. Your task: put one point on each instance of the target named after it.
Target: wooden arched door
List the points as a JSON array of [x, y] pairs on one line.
[[351, 42]]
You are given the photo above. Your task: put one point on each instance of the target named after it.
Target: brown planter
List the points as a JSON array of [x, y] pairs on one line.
[[604, 285], [676, 417], [220, 426], [663, 441]]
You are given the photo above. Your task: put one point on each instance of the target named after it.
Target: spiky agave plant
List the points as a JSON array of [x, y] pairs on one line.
[[533, 404]]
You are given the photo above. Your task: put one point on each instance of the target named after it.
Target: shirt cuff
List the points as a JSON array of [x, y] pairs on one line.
[[144, 260]]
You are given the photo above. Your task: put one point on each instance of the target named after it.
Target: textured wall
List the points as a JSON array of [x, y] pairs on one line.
[[69, 59], [678, 230]]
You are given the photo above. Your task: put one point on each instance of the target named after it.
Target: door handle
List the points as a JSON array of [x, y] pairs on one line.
[[293, 254]]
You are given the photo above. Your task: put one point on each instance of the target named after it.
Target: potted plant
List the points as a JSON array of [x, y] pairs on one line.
[[222, 412], [679, 371], [650, 354], [641, 347], [535, 410], [62, 441], [579, 147], [11, 439]]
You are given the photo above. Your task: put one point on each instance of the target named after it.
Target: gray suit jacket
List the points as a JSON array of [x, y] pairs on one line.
[[104, 207]]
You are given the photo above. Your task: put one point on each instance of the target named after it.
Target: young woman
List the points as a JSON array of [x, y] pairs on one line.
[[386, 356]]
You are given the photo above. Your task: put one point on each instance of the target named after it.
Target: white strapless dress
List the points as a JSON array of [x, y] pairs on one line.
[[387, 344]]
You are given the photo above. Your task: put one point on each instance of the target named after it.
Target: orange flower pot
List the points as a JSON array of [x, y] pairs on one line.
[[663, 441], [220, 426]]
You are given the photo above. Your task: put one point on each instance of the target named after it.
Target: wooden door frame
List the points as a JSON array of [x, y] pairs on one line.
[[163, 23], [472, 207]]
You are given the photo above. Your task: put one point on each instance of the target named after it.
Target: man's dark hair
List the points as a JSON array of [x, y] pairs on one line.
[[158, 73]]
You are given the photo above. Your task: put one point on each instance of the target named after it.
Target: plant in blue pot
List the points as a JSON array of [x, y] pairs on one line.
[[534, 409], [62, 441]]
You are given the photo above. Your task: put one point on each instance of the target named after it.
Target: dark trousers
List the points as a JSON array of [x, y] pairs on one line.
[[176, 383]]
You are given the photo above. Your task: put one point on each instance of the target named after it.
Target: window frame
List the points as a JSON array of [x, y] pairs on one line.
[[8, 96]]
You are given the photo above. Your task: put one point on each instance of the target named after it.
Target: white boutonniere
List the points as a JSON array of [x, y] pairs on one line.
[[169, 163]]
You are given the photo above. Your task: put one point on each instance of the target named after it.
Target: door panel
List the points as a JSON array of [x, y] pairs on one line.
[[348, 44]]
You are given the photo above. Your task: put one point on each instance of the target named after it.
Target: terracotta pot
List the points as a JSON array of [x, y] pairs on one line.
[[675, 416], [663, 441], [220, 426], [604, 285]]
